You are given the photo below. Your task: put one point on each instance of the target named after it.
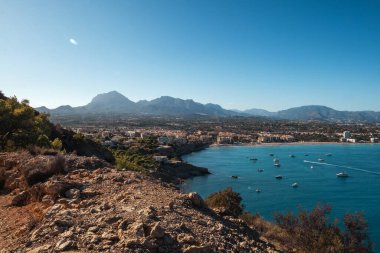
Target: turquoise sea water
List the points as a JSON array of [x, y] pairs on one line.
[[317, 184]]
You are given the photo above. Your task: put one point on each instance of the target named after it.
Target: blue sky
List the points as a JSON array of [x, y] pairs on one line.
[[270, 54]]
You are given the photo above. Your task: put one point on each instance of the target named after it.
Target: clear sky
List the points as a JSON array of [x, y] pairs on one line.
[[270, 54]]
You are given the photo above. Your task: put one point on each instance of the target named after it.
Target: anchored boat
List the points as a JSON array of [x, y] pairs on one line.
[[342, 174]]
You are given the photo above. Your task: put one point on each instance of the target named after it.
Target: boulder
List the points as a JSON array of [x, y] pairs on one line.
[[197, 249], [109, 236], [72, 194], [149, 212], [58, 187], [20, 199], [40, 249], [157, 231], [196, 199], [48, 199], [136, 230], [65, 244], [185, 238]]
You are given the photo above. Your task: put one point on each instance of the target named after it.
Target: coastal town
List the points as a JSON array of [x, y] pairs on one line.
[[212, 134]]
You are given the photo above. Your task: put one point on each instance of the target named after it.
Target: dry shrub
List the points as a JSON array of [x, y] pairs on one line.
[[57, 165], [36, 150], [312, 232], [274, 233], [41, 174], [227, 199]]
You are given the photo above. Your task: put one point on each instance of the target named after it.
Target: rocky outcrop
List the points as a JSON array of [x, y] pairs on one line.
[[196, 200], [22, 171], [185, 170], [106, 210]]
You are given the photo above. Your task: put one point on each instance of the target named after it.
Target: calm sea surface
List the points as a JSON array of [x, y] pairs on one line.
[[317, 180]]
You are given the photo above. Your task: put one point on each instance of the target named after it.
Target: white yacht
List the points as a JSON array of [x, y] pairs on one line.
[[342, 174]]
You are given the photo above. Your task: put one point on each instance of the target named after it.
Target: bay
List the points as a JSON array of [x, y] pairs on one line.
[[313, 167]]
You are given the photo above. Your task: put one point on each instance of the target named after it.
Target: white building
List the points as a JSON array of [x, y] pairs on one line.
[[346, 134]]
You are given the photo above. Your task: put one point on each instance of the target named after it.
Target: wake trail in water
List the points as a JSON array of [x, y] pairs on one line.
[[345, 167]]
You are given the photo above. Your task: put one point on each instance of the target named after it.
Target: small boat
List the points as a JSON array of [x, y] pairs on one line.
[[260, 170], [234, 177], [277, 164], [253, 158], [276, 160], [258, 190], [342, 174], [271, 154], [278, 177], [329, 154], [295, 185], [320, 160], [292, 156]]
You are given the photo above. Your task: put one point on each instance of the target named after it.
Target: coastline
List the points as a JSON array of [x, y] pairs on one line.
[[288, 144], [201, 171]]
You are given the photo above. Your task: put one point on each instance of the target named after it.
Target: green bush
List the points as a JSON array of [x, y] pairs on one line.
[[21, 125], [136, 158], [43, 141], [56, 144]]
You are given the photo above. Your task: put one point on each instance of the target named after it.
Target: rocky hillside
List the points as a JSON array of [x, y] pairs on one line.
[[115, 103], [83, 204]]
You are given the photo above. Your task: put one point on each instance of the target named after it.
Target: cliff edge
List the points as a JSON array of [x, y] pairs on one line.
[[83, 204]]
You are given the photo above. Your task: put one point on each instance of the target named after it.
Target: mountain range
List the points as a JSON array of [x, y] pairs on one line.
[[115, 103]]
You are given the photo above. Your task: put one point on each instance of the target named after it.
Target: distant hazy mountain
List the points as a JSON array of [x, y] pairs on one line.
[[110, 102], [318, 112], [115, 103], [260, 112], [176, 106]]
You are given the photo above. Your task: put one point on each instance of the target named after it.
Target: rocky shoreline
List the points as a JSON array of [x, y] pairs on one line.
[[90, 206]]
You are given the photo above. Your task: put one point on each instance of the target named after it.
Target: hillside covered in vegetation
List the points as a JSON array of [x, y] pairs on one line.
[[24, 127]]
